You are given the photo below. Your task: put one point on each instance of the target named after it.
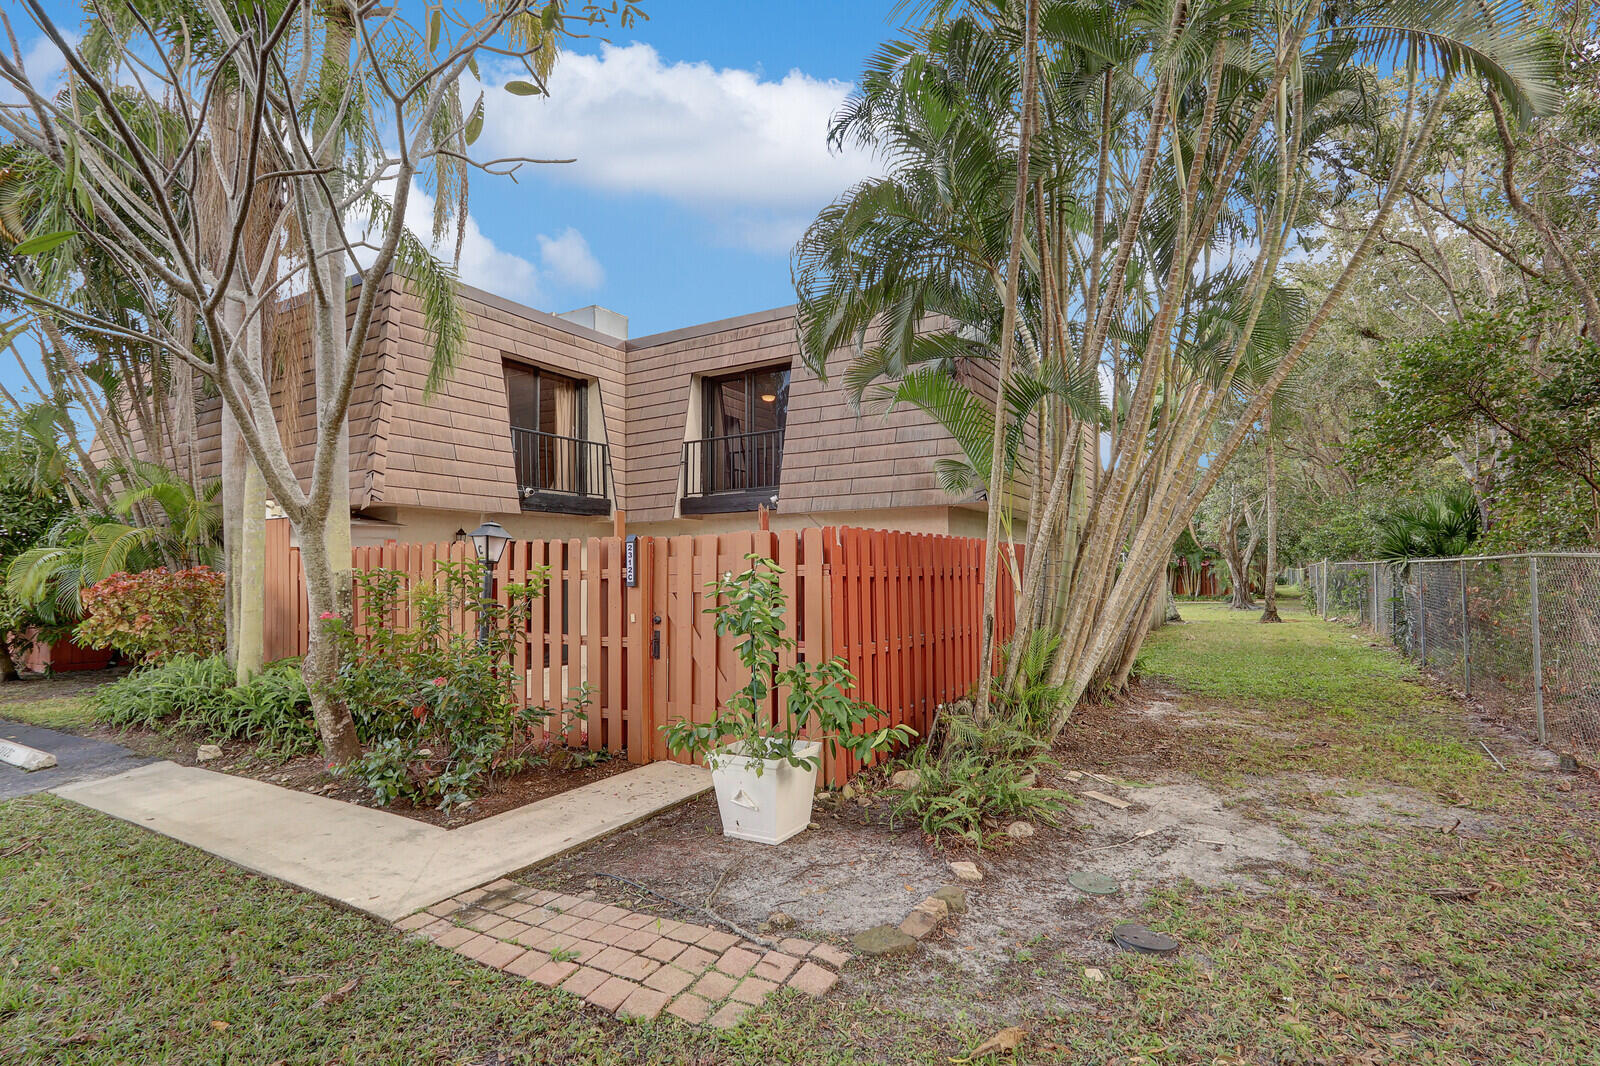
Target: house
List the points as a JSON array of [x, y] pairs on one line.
[[551, 424]]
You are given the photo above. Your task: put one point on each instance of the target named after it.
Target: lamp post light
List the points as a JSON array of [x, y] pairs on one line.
[[489, 541]]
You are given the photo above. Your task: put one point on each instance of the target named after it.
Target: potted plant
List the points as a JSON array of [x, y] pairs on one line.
[[764, 763]]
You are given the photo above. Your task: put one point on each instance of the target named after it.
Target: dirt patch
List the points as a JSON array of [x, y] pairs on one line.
[[1020, 949], [853, 870], [1149, 734], [848, 873]]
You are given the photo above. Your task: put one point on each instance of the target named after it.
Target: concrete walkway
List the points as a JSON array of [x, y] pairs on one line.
[[374, 861], [77, 759]]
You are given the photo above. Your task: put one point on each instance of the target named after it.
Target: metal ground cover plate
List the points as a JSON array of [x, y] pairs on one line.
[[1131, 936], [1095, 884]]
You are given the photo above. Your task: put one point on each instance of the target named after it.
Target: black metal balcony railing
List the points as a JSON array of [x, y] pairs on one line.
[[734, 472], [556, 473]]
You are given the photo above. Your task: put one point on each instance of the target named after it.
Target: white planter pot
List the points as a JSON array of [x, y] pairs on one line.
[[769, 808]]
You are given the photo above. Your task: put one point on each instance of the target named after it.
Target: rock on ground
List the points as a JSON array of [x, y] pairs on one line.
[[883, 940]]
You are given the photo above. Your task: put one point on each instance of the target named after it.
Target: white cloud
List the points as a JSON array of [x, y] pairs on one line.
[[568, 260], [749, 154], [565, 262], [484, 264], [45, 67]]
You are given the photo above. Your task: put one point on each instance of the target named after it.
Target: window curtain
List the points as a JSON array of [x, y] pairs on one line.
[[563, 396]]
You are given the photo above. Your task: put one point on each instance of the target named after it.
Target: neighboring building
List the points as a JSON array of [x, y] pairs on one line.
[[551, 423]]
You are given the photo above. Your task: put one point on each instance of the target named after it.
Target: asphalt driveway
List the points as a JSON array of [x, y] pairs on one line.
[[77, 759]]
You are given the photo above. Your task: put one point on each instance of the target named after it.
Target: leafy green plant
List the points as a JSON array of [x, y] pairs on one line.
[[1443, 525], [83, 548], [152, 696], [1032, 699], [186, 694], [155, 614], [971, 776], [272, 709], [435, 706], [751, 606]]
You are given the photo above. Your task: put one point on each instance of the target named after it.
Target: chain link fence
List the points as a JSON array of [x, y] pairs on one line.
[[1519, 634]]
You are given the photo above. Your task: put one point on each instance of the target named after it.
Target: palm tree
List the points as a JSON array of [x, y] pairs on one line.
[[1131, 235], [1269, 583], [83, 549], [1442, 525]]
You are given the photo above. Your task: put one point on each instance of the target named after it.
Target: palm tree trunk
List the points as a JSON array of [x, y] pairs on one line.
[[1269, 584], [1008, 329]]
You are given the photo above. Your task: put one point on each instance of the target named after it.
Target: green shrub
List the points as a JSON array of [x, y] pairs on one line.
[[189, 695], [435, 706], [973, 775], [157, 695], [1032, 701], [272, 709]]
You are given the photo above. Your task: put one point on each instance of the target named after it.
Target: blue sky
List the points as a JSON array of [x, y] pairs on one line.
[[700, 139]]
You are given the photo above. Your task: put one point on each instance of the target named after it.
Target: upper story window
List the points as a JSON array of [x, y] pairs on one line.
[[755, 401], [737, 462], [558, 467]]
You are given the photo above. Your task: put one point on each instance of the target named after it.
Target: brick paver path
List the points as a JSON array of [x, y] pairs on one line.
[[631, 964]]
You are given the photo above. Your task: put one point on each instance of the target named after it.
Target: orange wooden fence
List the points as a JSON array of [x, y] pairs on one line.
[[903, 609]]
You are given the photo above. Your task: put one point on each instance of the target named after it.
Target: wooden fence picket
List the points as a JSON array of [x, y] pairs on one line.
[[904, 611]]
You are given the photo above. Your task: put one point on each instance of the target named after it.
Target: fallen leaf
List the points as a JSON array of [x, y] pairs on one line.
[[19, 848], [338, 995], [1457, 894], [1007, 1040]]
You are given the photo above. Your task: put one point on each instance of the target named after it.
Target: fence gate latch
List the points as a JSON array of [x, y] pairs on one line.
[[655, 637]]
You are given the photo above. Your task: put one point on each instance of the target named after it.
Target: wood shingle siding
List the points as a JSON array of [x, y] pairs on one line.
[[451, 451], [834, 458]]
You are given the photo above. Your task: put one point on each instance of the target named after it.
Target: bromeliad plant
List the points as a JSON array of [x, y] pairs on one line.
[[751, 605], [434, 706]]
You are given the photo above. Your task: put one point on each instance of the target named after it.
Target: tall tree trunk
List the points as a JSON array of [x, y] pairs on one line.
[[250, 578], [1008, 329], [1269, 583], [330, 348], [321, 665], [234, 461], [1155, 608], [1238, 563]]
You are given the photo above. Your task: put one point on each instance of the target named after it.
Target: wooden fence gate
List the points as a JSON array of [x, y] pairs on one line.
[[903, 609]]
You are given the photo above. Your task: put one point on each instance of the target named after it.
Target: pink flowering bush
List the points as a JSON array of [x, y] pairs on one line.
[[155, 614]]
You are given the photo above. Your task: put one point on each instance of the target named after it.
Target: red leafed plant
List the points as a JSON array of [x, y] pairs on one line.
[[155, 614]]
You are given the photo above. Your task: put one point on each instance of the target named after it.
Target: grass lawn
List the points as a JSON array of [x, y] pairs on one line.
[[66, 713], [119, 946], [1319, 697]]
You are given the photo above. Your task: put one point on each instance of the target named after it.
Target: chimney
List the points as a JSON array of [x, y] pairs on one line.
[[599, 319]]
